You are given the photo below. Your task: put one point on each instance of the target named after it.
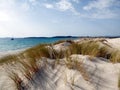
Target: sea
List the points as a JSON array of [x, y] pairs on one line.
[[8, 44]]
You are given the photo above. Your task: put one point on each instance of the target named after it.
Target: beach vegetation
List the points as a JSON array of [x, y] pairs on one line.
[[37, 52], [119, 82], [73, 80], [8, 59], [73, 63], [58, 42], [115, 56], [88, 48], [17, 80], [62, 41], [28, 59]]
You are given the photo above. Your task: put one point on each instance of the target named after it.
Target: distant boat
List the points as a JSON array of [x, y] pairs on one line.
[[12, 38]]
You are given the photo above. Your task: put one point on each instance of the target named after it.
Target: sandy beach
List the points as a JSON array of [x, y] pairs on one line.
[[76, 72]]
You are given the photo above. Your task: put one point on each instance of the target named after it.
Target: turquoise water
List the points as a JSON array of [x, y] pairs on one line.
[[6, 44]]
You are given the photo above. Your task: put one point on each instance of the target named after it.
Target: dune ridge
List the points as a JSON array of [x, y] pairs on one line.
[[68, 65]]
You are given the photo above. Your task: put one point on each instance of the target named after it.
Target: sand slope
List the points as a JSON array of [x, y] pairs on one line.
[[102, 75]]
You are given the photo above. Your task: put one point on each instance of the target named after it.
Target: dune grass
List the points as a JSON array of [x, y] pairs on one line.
[[73, 80], [77, 65], [58, 42], [115, 56], [89, 48], [28, 58], [28, 69], [62, 41], [93, 49], [37, 51], [119, 82], [16, 79], [8, 59]]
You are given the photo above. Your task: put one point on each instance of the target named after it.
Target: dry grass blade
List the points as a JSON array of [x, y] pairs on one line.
[[115, 57], [119, 82], [17, 80], [8, 59], [78, 65]]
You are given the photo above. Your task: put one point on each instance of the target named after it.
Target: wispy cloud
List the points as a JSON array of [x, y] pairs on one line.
[[102, 9], [99, 4], [63, 5], [47, 5], [99, 9], [28, 4]]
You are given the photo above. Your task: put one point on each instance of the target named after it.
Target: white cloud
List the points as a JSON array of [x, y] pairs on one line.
[[104, 14], [99, 4], [64, 5], [101, 9], [48, 5]]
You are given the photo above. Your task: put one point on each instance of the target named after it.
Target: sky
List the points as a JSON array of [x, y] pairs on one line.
[[37, 18]]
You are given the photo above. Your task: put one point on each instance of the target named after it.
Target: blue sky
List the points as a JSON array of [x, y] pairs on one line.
[[25, 18]]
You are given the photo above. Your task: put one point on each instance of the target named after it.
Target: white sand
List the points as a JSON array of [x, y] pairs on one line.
[[115, 43], [2, 54], [102, 75]]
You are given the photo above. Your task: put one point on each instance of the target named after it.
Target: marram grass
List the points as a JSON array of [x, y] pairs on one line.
[[115, 56], [28, 58], [119, 82], [8, 59], [87, 47], [16, 79]]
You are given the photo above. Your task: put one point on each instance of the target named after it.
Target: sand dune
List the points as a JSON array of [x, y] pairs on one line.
[[94, 73]]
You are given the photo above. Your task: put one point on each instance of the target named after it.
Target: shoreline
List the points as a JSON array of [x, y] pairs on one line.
[[11, 52]]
